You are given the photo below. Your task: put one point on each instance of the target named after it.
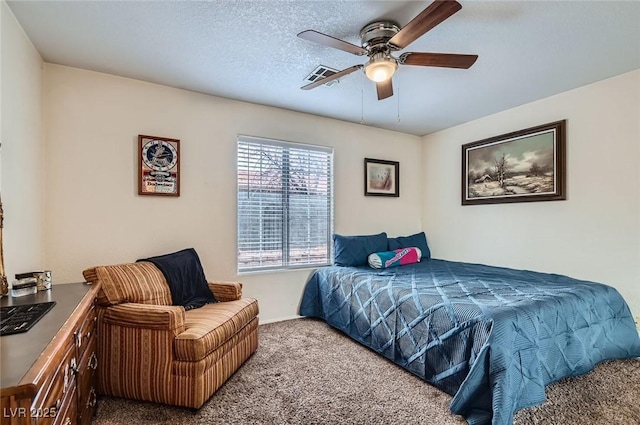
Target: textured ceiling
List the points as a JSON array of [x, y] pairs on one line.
[[248, 50]]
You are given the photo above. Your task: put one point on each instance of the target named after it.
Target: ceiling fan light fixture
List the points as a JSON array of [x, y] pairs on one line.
[[380, 68]]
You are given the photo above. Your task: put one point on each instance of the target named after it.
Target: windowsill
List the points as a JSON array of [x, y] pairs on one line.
[[282, 270]]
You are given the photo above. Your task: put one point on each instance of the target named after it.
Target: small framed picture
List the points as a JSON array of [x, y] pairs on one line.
[[158, 166], [381, 178]]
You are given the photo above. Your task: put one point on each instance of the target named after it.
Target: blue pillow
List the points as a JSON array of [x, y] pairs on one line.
[[354, 250], [418, 240]]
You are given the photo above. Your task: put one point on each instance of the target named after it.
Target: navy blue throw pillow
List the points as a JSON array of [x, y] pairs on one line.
[[418, 240], [354, 250]]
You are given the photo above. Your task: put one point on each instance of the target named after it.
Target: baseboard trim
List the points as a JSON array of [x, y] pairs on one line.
[[279, 319]]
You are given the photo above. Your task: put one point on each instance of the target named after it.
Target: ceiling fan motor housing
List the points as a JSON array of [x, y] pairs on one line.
[[376, 34], [375, 37]]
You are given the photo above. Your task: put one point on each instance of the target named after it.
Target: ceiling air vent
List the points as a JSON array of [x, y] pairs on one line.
[[322, 72]]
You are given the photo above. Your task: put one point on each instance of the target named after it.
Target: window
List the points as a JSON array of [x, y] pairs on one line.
[[285, 204]]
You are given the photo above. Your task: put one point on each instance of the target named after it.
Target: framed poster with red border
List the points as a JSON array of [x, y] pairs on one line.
[[158, 166]]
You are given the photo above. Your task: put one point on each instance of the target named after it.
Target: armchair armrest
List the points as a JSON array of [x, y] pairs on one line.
[[226, 291], [146, 316]]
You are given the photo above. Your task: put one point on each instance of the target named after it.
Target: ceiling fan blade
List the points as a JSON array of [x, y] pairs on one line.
[[335, 76], [446, 60], [433, 15], [336, 43], [385, 89]]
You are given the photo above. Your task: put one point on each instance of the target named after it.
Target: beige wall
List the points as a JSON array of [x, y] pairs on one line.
[[22, 168], [593, 235], [95, 216]]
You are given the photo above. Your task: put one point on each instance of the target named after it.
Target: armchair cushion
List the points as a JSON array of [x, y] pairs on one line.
[[209, 326], [135, 283]]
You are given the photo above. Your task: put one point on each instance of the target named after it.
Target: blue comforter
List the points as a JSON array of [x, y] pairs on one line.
[[491, 337]]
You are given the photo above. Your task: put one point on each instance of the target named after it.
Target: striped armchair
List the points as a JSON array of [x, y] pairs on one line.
[[149, 349]]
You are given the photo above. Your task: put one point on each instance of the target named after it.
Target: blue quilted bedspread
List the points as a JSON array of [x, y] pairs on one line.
[[491, 337]]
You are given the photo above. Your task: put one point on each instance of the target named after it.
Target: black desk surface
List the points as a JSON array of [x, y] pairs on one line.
[[18, 352]]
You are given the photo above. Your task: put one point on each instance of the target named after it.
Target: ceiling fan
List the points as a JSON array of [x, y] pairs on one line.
[[381, 38]]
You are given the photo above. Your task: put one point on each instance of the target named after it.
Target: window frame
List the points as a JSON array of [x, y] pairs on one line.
[[286, 242]]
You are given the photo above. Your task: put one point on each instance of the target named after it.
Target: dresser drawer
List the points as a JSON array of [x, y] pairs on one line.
[[58, 388], [86, 380], [85, 330], [68, 414]]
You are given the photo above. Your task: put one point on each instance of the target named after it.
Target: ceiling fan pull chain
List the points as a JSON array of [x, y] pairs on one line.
[[361, 100], [398, 89]]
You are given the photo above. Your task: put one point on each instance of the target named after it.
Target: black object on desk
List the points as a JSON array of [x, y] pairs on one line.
[[20, 318]]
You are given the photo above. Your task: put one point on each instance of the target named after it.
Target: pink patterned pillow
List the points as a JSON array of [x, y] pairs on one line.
[[397, 257]]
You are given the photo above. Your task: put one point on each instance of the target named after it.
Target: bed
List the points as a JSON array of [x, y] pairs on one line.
[[491, 337]]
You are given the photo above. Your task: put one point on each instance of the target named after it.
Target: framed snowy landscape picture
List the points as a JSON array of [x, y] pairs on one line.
[[523, 166]]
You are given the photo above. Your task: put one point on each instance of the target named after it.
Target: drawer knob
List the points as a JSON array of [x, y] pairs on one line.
[[56, 406], [93, 398], [66, 379], [93, 361]]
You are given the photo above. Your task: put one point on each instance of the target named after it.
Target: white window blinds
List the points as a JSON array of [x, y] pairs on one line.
[[285, 204]]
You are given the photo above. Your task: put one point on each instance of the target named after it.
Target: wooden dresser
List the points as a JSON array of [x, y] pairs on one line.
[[47, 374]]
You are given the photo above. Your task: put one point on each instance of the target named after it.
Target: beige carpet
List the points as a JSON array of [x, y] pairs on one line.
[[304, 372]]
